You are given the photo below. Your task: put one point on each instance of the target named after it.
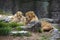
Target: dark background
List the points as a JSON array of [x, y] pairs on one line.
[[42, 8]]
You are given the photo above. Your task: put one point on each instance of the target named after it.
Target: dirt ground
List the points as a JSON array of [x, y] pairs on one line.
[[35, 36]]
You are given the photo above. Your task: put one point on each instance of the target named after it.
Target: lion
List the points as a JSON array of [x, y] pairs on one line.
[[30, 16], [18, 17], [46, 26]]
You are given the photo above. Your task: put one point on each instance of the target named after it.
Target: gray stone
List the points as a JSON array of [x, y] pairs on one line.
[[47, 19], [33, 26], [55, 34], [18, 32], [8, 18], [51, 20]]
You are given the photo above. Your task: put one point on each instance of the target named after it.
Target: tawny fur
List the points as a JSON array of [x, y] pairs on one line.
[[18, 17], [30, 16], [46, 25]]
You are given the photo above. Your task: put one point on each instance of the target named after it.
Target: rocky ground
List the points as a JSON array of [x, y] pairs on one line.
[[34, 36]]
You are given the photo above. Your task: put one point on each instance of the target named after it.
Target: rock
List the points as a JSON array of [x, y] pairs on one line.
[[55, 34], [47, 19], [33, 26], [51, 20], [5, 18], [20, 33], [36, 27], [8, 18], [2, 17], [57, 21], [57, 26], [15, 32]]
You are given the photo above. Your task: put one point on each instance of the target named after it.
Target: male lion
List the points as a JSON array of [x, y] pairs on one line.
[[30, 16]]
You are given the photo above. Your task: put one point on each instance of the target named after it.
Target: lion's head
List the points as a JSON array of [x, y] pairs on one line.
[[30, 16], [18, 14], [17, 17]]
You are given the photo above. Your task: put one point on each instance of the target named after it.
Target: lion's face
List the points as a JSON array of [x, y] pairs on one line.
[[30, 15], [18, 15]]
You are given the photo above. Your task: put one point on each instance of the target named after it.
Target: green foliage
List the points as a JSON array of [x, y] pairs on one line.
[[1, 11], [3, 24], [45, 36], [57, 27], [39, 30], [21, 24], [5, 30], [18, 28], [14, 24], [1, 20]]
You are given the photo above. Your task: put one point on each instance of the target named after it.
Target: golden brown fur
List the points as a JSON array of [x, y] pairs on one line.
[[30, 16], [18, 17], [46, 26]]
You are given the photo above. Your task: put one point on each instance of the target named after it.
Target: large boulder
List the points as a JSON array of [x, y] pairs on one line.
[[47, 19], [33, 26], [51, 20], [55, 35]]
